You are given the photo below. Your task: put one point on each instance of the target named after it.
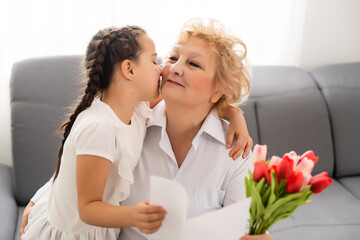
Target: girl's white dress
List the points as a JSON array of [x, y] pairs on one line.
[[96, 131]]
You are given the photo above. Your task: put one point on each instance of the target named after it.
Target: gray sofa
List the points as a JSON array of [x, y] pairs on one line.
[[288, 109]]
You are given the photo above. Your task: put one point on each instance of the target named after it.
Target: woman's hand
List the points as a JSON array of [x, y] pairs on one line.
[[238, 130], [148, 218], [25, 217], [264, 236]]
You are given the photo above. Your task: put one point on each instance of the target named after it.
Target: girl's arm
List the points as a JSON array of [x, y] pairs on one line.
[[91, 176], [237, 130]]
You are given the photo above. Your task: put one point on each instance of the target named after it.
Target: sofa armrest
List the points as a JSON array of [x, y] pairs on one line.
[[8, 206]]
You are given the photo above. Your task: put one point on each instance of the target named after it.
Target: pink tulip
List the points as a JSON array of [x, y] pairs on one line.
[[306, 180], [305, 166], [320, 182], [274, 161], [285, 168], [260, 170], [295, 182], [310, 155], [259, 153], [293, 155]]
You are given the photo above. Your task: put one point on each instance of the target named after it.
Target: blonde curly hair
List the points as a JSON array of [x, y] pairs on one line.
[[232, 74]]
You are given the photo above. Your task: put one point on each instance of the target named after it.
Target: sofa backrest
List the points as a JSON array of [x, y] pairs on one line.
[[286, 111], [41, 91], [340, 86]]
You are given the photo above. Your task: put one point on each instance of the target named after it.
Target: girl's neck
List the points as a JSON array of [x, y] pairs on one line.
[[121, 101]]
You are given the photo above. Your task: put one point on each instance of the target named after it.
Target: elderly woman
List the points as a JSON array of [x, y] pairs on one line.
[[204, 73]]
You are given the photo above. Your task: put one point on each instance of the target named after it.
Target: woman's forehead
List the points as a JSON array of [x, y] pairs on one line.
[[194, 46]]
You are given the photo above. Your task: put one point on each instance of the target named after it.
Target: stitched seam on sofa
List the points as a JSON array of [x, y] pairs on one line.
[[347, 189], [355, 88], [333, 174], [257, 121], [281, 94], [327, 87]]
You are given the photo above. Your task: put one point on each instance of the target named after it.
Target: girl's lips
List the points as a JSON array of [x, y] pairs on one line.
[[174, 83]]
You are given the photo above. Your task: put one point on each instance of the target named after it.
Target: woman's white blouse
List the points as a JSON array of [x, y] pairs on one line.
[[210, 177]]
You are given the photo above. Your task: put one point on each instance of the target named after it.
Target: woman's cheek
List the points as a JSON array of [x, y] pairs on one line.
[[165, 71], [202, 83]]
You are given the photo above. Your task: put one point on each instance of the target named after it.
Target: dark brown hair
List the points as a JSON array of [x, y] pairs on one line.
[[107, 48]]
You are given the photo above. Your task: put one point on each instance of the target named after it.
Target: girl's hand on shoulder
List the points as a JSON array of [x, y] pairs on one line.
[[264, 236], [237, 131], [148, 218], [244, 142]]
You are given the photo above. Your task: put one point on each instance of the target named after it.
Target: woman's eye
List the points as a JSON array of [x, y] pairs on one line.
[[172, 58], [194, 64]]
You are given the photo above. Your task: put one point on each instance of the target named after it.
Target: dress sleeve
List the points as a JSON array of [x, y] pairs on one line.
[[144, 111], [96, 139]]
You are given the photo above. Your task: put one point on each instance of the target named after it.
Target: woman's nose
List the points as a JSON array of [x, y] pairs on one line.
[[177, 68]]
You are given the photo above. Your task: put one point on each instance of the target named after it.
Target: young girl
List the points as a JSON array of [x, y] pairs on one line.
[[102, 143]]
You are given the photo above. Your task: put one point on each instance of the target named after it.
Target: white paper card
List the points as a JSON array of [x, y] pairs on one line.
[[173, 197], [228, 223]]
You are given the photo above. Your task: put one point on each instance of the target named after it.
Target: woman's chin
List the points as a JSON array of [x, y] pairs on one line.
[[169, 95], [167, 90]]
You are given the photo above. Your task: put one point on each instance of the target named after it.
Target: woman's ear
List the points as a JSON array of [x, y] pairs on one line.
[[126, 69], [216, 96]]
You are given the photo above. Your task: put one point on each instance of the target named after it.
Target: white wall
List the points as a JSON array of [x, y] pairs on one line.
[[331, 33], [5, 136]]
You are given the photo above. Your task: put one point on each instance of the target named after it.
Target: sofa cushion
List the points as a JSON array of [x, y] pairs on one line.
[[334, 209], [340, 86], [8, 208], [18, 224], [352, 184], [274, 80], [291, 114], [318, 232], [37, 114], [250, 116]]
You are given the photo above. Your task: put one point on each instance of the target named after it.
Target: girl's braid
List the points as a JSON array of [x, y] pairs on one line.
[[97, 81], [101, 56]]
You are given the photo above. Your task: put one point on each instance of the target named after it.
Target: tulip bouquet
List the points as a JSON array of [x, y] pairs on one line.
[[279, 185]]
